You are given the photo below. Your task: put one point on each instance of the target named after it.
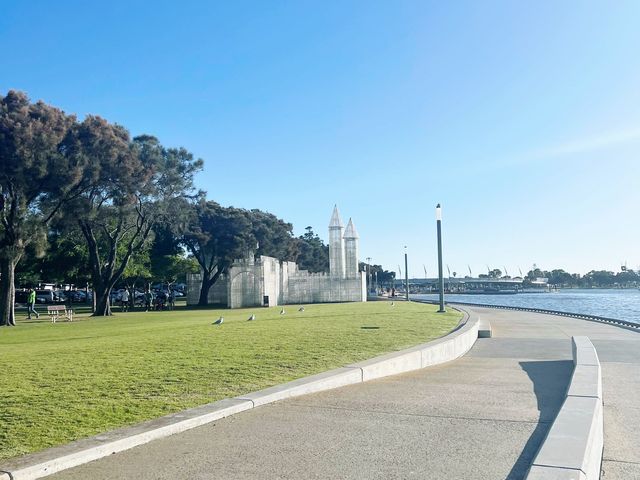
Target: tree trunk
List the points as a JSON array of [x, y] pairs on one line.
[[7, 291], [207, 283], [102, 298]]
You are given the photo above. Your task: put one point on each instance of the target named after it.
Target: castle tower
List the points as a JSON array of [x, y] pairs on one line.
[[336, 245], [351, 250]]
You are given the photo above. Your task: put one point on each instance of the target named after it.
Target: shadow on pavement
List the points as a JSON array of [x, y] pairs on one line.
[[550, 382]]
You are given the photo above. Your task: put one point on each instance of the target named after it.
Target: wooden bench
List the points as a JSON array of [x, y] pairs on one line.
[[57, 311]]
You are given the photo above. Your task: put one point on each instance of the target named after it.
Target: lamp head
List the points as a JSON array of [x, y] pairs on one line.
[[438, 212]]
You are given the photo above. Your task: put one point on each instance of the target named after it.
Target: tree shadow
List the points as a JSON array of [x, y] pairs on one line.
[[550, 381]]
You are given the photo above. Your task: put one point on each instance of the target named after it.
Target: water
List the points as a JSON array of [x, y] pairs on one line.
[[619, 304]]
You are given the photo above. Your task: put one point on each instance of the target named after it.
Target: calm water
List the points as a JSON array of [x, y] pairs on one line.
[[620, 304]]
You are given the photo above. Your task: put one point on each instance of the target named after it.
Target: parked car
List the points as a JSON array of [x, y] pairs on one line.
[[21, 296], [116, 296], [79, 296], [45, 296], [60, 296]]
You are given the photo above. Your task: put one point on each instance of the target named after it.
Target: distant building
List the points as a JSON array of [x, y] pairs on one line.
[[266, 281], [481, 285]]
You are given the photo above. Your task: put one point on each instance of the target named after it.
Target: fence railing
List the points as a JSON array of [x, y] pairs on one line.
[[594, 318]]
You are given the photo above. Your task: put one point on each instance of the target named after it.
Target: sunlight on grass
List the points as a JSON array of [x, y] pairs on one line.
[[70, 380]]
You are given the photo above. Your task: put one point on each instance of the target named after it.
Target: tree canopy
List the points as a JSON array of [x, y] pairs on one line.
[[216, 236], [37, 177], [92, 179]]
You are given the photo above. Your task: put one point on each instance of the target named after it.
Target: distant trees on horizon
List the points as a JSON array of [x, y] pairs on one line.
[[561, 278]]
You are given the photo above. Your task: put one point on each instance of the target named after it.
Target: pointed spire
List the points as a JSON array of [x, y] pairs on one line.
[[351, 231], [335, 222]]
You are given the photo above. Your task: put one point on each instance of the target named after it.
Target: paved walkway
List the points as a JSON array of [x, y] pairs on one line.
[[480, 417]]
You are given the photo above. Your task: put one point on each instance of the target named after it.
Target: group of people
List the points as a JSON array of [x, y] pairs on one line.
[[161, 301]]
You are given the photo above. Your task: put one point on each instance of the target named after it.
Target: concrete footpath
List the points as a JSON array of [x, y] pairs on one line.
[[482, 416]]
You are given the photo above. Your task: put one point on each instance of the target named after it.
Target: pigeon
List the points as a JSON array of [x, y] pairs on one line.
[[301, 309], [282, 312], [252, 317], [219, 321]]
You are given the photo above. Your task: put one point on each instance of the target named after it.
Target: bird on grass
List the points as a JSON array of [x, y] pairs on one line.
[[393, 304], [301, 309], [252, 317], [282, 312], [219, 321]]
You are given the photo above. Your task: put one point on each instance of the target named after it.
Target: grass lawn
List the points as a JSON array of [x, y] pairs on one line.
[[65, 381]]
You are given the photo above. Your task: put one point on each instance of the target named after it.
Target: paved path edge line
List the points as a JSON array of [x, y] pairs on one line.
[[574, 444], [41, 464]]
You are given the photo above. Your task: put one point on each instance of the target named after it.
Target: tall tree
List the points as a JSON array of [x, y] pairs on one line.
[[274, 236], [216, 236], [136, 185], [311, 252], [165, 246], [63, 261], [36, 178]]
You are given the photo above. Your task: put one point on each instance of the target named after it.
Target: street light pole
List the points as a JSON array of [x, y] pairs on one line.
[[440, 276], [406, 274], [368, 275]]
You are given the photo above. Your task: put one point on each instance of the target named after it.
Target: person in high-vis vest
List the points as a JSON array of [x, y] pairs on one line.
[[31, 304]]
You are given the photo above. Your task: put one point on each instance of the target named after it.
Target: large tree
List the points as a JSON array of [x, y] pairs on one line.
[[274, 236], [311, 252], [136, 185], [64, 260], [37, 177], [217, 235]]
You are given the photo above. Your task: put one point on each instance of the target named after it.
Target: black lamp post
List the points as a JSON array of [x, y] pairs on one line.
[[406, 274], [440, 276]]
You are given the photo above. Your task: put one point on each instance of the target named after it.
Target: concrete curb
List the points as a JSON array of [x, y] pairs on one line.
[[303, 386], [484, 329], [573, 447], [53, 460]]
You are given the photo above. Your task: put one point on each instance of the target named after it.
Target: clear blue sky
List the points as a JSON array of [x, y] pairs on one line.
[[521, 118]]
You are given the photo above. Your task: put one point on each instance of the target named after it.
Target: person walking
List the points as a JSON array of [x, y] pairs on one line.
[[31, 304], [124, 298], [172, 299], [148, 300]]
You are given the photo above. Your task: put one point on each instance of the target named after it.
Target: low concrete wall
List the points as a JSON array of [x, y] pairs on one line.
[[435, 352], [444, 349], [573, 446]]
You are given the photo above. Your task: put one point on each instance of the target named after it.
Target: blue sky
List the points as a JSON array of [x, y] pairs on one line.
[[522, 119]]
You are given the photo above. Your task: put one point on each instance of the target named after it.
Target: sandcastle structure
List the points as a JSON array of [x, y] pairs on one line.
[[266, 281]]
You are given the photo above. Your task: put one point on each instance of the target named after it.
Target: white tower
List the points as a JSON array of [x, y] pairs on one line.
[[336, 245], [351, 250]]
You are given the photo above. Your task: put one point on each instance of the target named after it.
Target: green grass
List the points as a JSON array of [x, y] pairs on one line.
[[65, 381]]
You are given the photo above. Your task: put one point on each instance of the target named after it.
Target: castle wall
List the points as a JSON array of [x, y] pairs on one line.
[[283, 283], [246, 284], [217, 293], [251, 283], [272, 283]]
